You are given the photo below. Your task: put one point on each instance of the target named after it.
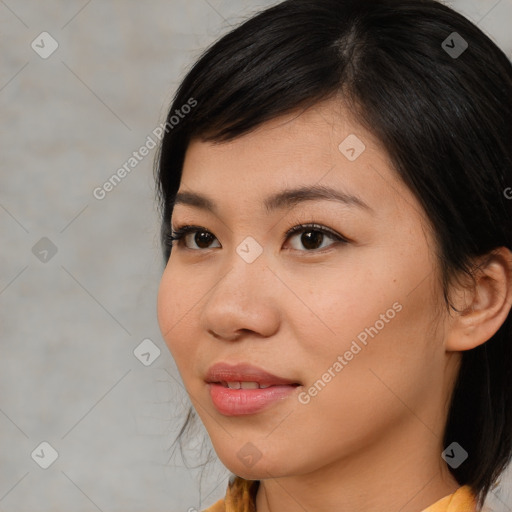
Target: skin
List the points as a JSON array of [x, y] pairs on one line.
[[371, 439]]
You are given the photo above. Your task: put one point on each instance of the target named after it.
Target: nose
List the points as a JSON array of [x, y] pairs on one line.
[[243, 300]]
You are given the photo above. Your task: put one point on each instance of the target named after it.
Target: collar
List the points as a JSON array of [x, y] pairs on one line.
[[241, 497]]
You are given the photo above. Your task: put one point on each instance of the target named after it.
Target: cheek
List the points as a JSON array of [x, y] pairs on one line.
[[165, 305], [175, 304], [379, 317], [342, 302]]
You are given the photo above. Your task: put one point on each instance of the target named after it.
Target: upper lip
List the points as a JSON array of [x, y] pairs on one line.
[[244, 372]]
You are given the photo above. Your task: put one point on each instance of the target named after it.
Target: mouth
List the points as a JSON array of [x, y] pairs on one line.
[[245, 376], [249, 385], [244, 389]]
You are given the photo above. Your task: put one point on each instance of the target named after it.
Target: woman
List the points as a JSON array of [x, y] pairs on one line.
[[337, 231]]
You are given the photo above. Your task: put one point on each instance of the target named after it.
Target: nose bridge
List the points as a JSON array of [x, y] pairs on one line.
[[244, 278], [241, 297]]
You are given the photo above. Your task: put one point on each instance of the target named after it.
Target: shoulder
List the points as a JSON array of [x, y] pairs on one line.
[[462, 500], [220, 506], [240, 497]]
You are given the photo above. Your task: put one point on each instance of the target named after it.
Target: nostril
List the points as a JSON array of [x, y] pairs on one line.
[[231, 337]]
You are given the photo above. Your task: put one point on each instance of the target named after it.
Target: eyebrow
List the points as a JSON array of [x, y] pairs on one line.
[[287, 198]]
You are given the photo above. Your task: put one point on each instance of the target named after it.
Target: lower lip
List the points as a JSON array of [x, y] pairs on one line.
[[236, 402]]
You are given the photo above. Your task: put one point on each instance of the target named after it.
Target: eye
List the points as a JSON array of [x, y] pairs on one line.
[[312, 237], [201, 237]]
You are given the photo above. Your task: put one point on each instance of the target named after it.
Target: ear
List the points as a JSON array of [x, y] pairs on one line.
[[481, 306]]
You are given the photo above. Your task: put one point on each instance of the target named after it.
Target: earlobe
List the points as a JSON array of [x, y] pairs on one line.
[[482, 306]]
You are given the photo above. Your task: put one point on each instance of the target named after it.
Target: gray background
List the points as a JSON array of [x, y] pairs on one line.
[[69, 325]]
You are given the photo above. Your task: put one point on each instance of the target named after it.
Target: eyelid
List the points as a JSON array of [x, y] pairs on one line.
[[315, 227], [180, 232]]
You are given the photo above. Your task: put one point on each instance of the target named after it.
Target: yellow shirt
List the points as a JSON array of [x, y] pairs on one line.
[[240, 496]]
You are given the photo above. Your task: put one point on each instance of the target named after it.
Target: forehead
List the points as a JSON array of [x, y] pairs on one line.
[[291, 141], [320, 146]]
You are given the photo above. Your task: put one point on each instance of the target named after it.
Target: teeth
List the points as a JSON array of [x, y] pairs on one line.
[[249, 385], [244, 385]]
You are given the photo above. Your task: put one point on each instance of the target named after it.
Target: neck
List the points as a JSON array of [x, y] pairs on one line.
[[407, 478]]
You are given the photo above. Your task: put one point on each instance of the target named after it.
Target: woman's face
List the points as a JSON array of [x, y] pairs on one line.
[[349, 322]]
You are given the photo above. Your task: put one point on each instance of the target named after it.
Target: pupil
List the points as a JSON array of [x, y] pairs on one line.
[[202, 237], [311, 239]]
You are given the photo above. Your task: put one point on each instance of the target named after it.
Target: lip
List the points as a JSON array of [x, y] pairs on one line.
[[244, 372], [235, 402]]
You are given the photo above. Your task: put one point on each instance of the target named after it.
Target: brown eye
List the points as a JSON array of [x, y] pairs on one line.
[[203, 239], [312, 237], [190, 235]]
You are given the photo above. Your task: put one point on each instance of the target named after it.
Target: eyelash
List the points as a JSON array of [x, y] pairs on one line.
[[180, 232]]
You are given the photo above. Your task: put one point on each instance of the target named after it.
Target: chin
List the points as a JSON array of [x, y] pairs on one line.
[[256, 468]]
